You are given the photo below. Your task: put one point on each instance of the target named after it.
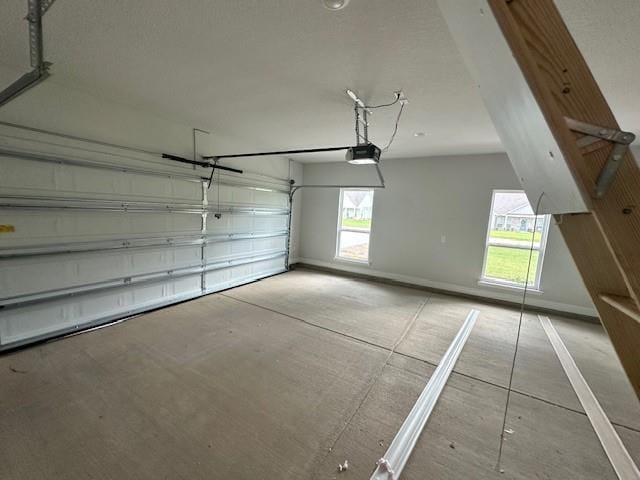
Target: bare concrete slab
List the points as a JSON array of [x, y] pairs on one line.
[[488, 353], [593, 353], [631, 440], [553, 443], [260, 399], [461, 439], [539, 373], [220, 388], [374, 312]]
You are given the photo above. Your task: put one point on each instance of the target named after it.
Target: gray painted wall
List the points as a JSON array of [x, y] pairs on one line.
[[426, 199]]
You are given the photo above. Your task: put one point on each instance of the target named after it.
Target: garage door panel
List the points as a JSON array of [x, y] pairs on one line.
[[52, 146], [249, 196], [97, 232], [33, 178], [43, 319], [268, 223], [256, 223], [274, 199], [39, 227], [19, 276], [245, 247], [271, 243], [237, 275]]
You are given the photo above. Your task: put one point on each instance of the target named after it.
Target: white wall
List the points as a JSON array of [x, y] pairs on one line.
[[425, 199]]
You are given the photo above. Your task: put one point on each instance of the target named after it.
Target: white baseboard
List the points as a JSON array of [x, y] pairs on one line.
[[477, 292]]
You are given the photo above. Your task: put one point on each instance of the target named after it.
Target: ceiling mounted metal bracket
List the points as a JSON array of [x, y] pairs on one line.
[[358, 101], [361, 139], [40, 72], [361, 113], [594, 133], [46, 5]]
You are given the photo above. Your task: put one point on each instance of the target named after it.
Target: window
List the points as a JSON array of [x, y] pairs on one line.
[[354, 225], [509, 238]]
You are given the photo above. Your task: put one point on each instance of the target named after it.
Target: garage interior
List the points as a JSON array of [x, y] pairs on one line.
[[325, 239]]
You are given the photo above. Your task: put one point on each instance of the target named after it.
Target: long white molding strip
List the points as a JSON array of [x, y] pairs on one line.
[[618, 455], [391, 465]]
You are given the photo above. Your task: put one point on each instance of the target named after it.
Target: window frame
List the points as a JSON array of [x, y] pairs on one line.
[[340, 228], [535, 286]]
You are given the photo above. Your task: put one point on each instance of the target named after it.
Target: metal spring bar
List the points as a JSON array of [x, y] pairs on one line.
[[213, 166]]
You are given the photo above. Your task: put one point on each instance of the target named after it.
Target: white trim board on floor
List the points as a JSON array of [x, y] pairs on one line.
[[618, 455], [449, 287], [391, 465]]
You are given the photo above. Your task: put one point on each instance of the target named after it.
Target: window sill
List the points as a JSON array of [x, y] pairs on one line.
[[505, 286], [365, 263]]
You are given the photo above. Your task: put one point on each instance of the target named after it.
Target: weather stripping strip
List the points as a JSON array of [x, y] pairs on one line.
[[620, 459], [391, 465]]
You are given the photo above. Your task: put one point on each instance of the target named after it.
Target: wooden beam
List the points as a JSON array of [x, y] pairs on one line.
[[533, 78], [563, 85], [594, 261], [606, 244], [625, 304]]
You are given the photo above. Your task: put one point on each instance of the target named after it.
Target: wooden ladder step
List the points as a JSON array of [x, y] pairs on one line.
[[624, 304]]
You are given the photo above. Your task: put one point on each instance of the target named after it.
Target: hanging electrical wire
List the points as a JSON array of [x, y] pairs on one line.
[[359, 105], [515, 352], [395, 129], [385, 104]]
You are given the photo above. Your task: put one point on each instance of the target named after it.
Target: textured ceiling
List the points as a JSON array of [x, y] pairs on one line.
[[271, 74]]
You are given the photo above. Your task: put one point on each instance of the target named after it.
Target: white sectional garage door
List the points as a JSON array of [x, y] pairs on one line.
[[90, 233]]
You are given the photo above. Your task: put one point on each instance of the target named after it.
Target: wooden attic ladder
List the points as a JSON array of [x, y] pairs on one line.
[[604, 240]]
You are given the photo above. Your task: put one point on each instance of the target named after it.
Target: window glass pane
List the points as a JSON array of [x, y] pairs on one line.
[[357, 206], [513, 221], [513, 227], [510, 264], [354, 245]]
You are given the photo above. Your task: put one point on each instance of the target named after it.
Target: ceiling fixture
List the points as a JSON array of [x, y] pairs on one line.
[[335, 4], [362, 153], [365, 154], [420, 134]]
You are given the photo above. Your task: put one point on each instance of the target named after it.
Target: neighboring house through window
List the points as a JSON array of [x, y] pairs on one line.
[[354, 225], [512, 228]]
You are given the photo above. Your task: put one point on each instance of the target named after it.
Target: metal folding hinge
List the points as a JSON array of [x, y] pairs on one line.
[[594, 133]]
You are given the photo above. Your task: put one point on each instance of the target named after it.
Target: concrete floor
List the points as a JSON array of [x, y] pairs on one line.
[[287, 377]]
